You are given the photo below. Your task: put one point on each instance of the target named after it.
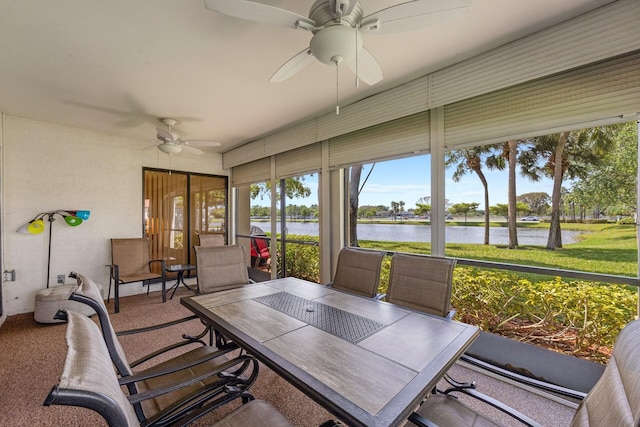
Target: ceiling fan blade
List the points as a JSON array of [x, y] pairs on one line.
[[293, 66], [190, 150], [202, 143], [258, 12], [368, 69], [414, 15], [165, 135]]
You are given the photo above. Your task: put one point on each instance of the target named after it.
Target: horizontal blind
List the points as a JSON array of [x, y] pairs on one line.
[[244, 154], [401, 101], [299, 161], [406, 136], [565, 101], [252, 172], [609, 31]]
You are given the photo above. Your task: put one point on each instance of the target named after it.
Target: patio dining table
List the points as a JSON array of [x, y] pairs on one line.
[[368, 362]]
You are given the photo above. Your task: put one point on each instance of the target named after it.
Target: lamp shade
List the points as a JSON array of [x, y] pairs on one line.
[[32, 227], [82, 214], [72, 220]]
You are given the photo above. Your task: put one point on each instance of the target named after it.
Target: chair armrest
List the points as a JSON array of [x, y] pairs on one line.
[[162, 262], [542, 385], [421, 421], [451, 314], [156, 327], [226, 388], [501, 407], [154, 372]]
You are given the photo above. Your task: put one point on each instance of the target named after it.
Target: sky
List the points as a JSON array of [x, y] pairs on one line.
[[408, 180]]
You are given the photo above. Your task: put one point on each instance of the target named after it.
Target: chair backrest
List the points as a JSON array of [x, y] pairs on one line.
[[131, 255], [88, 293], [211, 239], [88, 379], [615, 399], [260, 247], [221, 267], [421, 283], [358, 271]]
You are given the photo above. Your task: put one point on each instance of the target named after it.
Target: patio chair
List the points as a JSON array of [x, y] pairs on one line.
[[211, 239], [358, 271], [422, 283], [221, 267], [614, 400], [88, 381], [131, 262], [191, 368]]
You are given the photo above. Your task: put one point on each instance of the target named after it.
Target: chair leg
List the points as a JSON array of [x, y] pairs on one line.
[[116, 297]]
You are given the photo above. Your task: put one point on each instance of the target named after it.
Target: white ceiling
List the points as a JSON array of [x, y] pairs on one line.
[[115, 66]]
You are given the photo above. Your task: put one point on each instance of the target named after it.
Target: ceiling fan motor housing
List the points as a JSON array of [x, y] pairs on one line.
[[335, 44], [338, 40]]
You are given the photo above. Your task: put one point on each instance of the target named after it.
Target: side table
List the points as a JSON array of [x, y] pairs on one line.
[[180, 269]]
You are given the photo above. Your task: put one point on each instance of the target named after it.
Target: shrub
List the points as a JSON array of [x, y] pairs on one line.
[[575, 317]]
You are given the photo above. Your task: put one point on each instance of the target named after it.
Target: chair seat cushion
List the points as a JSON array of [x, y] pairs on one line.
[[447, 411], [157, 404], [48, 301]]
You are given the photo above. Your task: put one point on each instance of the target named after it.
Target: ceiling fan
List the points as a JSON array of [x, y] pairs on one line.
[[169, 142], [337, 27]]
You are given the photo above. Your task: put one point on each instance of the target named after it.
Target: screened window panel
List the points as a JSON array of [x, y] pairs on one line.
[[406, 136], [249, 173], [299, 161], [566, 101]]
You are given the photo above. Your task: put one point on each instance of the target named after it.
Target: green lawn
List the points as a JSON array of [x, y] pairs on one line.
[[603, 248]]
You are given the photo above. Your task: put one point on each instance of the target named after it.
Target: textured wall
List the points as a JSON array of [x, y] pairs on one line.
[[48, 167]]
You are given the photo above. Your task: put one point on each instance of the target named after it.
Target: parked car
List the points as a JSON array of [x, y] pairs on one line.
[[449, 216], [529, 218]]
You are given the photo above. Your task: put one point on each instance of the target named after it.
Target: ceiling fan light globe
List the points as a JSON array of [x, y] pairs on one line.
[[169, 148], [336, 41]]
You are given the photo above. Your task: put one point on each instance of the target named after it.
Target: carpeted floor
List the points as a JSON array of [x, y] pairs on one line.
[[32, 356]]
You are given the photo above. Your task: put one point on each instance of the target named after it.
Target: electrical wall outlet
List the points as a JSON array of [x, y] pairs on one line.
[[9, 276], [60, 278]]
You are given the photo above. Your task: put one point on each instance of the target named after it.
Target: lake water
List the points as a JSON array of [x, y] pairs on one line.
[[422, 233]]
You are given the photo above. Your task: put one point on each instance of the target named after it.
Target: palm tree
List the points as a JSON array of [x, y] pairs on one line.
[[510, 153], [564, 155], [473, 159], [354, 193]]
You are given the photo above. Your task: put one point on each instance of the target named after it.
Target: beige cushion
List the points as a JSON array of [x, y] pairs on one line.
[[256, 413], [49, 301], [358, 271], [615, 399], [211, 239], [421, 283], [221, 267], [88, 366], [88, 288]]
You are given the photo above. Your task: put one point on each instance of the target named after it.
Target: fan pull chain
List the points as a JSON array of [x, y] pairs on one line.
[[337, 88], [357, 80]]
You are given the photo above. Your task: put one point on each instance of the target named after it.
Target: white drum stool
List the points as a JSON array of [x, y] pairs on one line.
[[50, 300]]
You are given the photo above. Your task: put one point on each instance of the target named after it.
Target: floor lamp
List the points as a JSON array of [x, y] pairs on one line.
[[73, 218]]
